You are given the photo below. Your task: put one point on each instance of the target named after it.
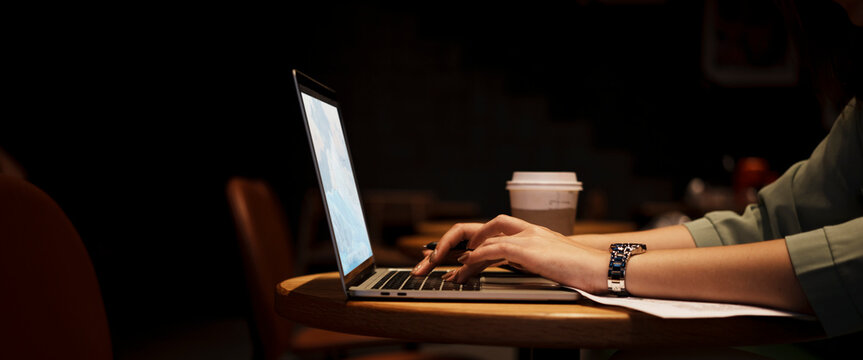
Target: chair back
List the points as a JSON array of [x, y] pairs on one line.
[[49, 294], [265, 244]]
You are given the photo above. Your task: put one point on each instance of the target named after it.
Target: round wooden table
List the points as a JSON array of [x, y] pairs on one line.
[[318, 300]]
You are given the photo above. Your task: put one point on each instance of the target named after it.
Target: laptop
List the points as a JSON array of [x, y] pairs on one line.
[[360, 277]]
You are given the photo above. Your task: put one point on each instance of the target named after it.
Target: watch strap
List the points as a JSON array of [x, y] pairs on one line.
[[620, 254]]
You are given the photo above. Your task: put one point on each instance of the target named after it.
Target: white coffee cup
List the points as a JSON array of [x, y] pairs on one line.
[[545, 198]]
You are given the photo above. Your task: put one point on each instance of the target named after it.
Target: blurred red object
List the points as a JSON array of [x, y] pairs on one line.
[[750, 175]]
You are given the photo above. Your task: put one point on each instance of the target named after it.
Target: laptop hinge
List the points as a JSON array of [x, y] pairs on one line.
[[361, 273]]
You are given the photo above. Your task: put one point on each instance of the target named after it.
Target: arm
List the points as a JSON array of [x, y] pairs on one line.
[[671, 237], [758, 273], [817, 207]]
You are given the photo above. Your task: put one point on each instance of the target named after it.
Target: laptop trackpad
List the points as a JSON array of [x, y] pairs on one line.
[[503, 281]]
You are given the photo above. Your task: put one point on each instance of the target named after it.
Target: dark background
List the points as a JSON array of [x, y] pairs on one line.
[[133, 120]]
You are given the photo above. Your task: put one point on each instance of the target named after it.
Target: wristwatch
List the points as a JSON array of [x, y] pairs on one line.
[[620, 254]]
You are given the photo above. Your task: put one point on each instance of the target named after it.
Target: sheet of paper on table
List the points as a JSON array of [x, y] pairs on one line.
[[674, 309]]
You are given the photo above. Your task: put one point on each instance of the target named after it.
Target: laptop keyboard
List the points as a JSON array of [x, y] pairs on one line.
[[403, 280]]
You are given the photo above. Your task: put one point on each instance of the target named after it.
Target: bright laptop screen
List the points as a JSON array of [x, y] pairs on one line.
[[339, 185]]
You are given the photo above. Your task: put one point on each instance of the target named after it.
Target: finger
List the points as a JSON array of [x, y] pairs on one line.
[[423, 267], [502, 224], [448, 259], [453, 236], [449, 275], [473, 268], [465, 272], [497, 249]]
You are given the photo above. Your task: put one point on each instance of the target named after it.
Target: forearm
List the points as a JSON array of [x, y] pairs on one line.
[[671, 237], [758, 273]]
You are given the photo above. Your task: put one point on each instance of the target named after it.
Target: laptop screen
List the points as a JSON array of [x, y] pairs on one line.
[[337, 179]]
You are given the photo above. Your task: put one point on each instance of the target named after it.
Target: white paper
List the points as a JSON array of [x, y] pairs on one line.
[[675, 309]]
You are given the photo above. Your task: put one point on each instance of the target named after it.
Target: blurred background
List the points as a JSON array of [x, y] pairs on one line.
[[133, 119]]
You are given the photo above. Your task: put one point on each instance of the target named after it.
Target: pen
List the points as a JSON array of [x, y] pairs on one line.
[[460, 246]]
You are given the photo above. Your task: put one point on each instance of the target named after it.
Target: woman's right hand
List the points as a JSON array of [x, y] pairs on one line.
[[528, 247], [475, 233]]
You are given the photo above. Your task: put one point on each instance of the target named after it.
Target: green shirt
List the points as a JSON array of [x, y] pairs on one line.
[[817, 206]]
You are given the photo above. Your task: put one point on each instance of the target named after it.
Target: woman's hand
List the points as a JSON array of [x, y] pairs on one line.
[[532, 248]]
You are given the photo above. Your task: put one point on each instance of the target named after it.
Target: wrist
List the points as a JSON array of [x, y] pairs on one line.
[[589, 271], [599, 273], [594, 241]]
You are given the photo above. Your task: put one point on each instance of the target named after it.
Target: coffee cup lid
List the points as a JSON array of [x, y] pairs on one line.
[[531, 180]]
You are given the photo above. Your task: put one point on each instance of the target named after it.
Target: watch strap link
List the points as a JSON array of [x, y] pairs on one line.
[[620, 254]]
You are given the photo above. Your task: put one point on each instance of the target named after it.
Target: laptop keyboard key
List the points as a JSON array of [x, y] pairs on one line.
[[414, 283], [396, 281], [384, 279], [449, 285], [436, 274], [434, 281], [472, 284]]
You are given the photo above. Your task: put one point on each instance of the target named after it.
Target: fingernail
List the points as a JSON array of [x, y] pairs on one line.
[[416, 268], [432, 256], [464, 257]]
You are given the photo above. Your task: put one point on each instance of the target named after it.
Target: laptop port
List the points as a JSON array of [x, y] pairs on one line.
[[385, 293], [402, 294]]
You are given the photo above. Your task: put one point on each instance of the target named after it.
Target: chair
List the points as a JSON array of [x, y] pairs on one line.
[[51, 303], [267, 257], [9, 166]]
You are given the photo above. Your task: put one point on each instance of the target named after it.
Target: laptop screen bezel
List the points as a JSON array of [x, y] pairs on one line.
[[305, 84]]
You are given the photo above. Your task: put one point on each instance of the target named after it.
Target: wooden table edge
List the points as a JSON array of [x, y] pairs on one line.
[[317, 300]]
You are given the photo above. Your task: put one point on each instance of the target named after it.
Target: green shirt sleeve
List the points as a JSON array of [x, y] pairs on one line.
[[817, 206], [829, 266]]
